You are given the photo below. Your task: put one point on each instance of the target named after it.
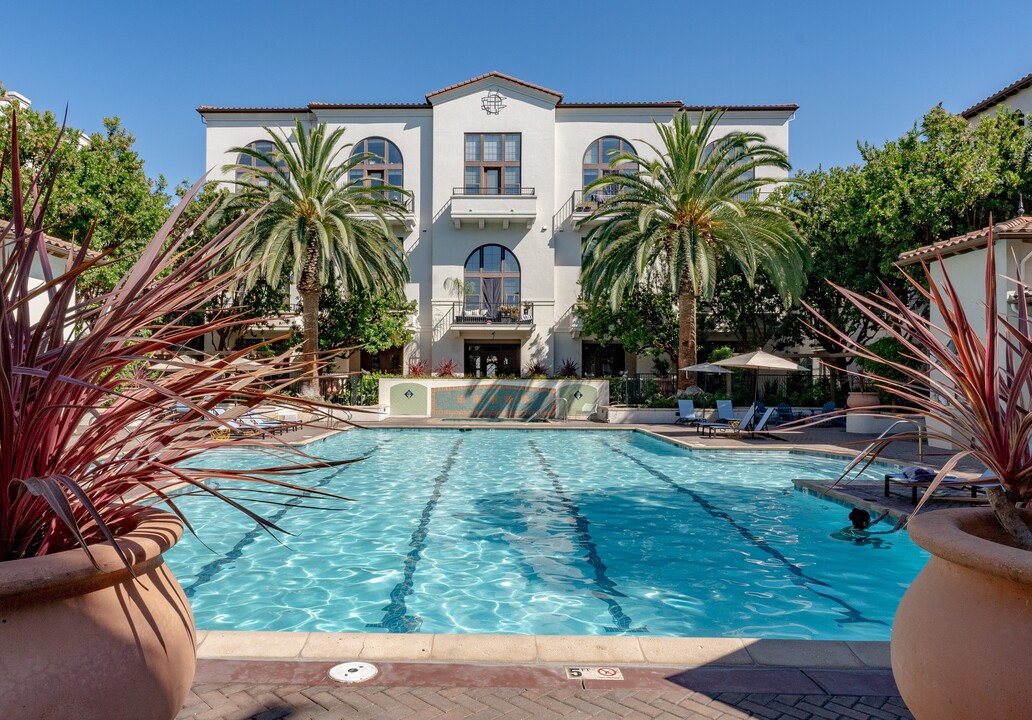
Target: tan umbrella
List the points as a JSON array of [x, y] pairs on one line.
[[759, 360]]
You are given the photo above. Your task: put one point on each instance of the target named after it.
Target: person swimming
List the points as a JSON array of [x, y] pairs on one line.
[[858, 534]]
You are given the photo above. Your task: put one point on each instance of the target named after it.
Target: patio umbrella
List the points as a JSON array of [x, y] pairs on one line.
[[759, 360], [705, 368]]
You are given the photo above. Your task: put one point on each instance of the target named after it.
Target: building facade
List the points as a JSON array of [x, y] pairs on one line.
[[496, 167]]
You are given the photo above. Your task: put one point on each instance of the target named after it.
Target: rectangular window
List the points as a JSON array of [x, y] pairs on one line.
[[492, 164]]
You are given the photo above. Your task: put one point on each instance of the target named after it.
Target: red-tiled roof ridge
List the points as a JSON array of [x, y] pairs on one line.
[[998, 97], [500, 76], [786, 107], [623, 104], [215, 109], [366, 106], [1019, 227]]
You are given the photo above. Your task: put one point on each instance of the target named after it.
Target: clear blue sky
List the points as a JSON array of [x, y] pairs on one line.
[[859, 70]]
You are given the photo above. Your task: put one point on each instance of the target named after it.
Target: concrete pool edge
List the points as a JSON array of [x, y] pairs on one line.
[[544, 649]]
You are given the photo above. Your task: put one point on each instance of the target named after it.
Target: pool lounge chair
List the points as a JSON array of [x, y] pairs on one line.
[[921, 478], [759, 430], [827, 409], [686, 413], [725, 414], [734, 427]]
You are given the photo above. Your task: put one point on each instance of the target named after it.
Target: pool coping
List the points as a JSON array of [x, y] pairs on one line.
[[687, 652]]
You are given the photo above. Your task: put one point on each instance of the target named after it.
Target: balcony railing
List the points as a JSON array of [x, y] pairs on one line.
[[484, 190], [472, 313], [406, 201]]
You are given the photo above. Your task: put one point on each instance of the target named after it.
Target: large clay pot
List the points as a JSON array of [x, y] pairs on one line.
[[860, 399], [962, 633], [78, 642]]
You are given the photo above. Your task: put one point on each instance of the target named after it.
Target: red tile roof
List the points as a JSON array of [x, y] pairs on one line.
[[674, 104], [500, 76], [56, 246], [1019, 227], [214, 109], [999, 97]]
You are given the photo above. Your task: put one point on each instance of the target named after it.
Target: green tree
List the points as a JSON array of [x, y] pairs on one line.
[[940, 179], [317, 224], [101, 185], [681, 215], [363, 321], [645, 322]]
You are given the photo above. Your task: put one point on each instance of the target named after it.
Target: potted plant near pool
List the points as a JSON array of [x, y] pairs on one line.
[[961, 634], [92, 623]]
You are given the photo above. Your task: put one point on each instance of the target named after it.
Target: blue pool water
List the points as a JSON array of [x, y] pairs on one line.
[[547, 532]]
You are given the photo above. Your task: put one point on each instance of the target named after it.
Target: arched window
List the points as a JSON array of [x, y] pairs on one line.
[[596, 163], [748, 174], [246, 162], [492, 280], [384, 165]]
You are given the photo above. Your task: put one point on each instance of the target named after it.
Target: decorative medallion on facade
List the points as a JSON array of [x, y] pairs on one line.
[[409, 394], [492, 103]]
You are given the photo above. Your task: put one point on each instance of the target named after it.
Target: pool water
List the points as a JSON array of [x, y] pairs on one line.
[[547, 532]]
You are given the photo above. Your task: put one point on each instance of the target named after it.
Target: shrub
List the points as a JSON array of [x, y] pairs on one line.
[[536, 369], [447, 368], [569, 368], [417, 368]]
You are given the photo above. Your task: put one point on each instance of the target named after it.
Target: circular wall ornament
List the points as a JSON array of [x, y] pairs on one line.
[[492, 103]]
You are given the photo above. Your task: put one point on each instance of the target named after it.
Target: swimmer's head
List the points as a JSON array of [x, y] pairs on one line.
[[861, 519]]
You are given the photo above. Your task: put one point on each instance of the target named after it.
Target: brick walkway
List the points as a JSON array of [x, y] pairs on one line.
[[321, 702], [236, 690]]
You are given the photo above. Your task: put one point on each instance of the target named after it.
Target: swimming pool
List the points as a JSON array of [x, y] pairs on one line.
[[547, 532]]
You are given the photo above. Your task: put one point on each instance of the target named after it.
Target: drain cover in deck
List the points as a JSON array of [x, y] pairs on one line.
[[353, 672]]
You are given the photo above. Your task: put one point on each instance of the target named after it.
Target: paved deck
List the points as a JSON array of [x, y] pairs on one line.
[[240, 677]]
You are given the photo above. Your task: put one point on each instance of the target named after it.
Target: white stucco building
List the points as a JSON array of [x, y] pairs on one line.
[[1017, 96], [496, 168]]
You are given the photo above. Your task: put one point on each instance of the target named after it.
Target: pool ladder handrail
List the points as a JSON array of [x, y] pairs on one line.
[[902, 421], [566, 409]]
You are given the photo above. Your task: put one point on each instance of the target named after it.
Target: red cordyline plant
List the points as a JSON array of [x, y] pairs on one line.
[[974, 388], [89, 436]]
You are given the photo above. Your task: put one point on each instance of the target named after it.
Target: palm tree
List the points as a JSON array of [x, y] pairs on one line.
[[679, 216], [311, 227]]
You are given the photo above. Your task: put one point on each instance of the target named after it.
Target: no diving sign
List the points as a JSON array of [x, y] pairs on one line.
[[593, 673]]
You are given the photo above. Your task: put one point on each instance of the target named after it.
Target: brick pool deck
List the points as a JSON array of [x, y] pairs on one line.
[[284, 675]]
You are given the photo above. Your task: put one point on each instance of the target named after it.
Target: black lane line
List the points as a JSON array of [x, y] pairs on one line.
[[396, 618], [800, 578], [210, 570], [608, 593]]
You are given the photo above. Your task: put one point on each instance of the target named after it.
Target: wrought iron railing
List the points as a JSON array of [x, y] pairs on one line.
[[472, 313], [489, 190]]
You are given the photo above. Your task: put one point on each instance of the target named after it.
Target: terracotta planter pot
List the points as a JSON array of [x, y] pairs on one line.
[[78, 642], [861, 399], [961, 637]]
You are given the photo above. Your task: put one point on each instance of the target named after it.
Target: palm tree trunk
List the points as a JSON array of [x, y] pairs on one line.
[[309, 288], [687, 343]]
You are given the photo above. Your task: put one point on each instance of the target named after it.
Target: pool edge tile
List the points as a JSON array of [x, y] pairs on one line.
[[804, 654], [252, 644], [872, 653], [484, 648], [588, 648], [695, 652], [397, 646], [332, 645]]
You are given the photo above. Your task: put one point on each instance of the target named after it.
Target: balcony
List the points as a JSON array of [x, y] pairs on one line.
[[482, 205], [407, 218], [480, 316]]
